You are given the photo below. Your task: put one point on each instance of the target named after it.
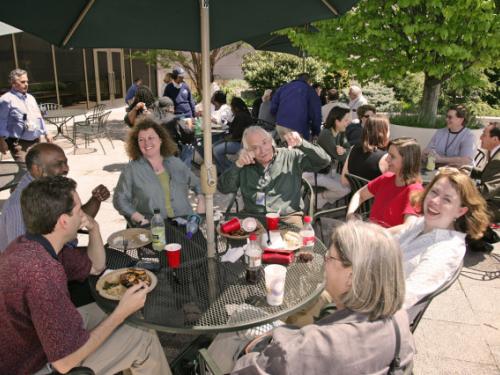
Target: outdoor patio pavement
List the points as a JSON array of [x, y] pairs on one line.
[[460, 333]]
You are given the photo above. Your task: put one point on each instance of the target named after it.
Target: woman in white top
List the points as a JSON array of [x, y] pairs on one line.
[[434, 245]]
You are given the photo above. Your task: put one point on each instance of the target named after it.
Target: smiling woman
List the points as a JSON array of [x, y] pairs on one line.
[[434, 245], [155, 178]]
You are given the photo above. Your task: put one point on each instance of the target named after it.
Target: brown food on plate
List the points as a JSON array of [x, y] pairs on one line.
[[134, 276], [305, 256], [239, 232]]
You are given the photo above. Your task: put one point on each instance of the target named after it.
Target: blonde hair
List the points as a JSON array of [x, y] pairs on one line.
[[475, 221], [378, 284]]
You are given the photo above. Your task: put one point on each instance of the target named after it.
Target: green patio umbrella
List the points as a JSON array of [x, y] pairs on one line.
[[185, 25]]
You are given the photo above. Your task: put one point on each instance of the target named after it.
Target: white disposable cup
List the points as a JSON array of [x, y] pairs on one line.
[[275, 276]]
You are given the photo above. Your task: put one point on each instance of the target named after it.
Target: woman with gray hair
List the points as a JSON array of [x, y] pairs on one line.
[[364, 276]]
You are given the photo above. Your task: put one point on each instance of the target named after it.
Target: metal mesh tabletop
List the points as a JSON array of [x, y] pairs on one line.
[[198, 296]]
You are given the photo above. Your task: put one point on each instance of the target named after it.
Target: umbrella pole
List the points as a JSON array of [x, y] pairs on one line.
[[211, 174]]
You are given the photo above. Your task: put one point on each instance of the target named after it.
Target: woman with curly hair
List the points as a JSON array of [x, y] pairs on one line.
[[434, 244], [154, 178]]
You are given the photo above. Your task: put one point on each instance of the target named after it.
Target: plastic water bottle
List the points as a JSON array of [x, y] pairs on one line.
[[158, 230], [307, 234], [431, 161], [198, 126], [192, 225], [253, 260]]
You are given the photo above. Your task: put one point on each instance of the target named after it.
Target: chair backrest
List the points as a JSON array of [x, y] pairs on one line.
[[49, 106], [356, 183], [97, 110], [308, 197], [103, 118], [417, 311], [10, 173]]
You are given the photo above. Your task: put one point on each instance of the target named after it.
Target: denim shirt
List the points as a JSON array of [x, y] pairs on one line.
[[139, 188], [16, 110]]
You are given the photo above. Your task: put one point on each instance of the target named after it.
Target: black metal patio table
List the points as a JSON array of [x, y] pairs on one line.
[[195, 298], [61, 117]]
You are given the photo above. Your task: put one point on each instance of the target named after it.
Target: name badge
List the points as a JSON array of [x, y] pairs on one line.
[[260, 199]]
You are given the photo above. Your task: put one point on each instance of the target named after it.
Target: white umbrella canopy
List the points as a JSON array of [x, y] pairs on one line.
[[187, 25]]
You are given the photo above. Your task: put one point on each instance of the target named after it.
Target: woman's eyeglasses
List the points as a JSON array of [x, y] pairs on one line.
[[328, 257]]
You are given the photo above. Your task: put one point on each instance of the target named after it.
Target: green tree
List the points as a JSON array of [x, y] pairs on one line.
[[264, 70], [388, 39]]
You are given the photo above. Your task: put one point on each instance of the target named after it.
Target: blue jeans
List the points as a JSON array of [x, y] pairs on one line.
[[186, 156], [220, 151]]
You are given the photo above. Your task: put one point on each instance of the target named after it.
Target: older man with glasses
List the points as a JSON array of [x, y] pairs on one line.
[[270, 178]]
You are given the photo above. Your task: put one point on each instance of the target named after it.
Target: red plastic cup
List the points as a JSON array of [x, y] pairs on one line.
[[173, 251], [273, 221], [231, 225]]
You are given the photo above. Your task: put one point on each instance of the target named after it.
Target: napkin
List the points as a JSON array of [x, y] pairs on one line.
[[233, 254]]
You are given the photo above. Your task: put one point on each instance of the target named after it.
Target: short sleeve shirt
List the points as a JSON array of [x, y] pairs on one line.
[[391, 202], [39, 322], [453, 144]]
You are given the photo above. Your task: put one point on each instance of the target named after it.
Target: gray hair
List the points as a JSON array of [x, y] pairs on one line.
[[355, 90], [15, 74], [378, 283], [255, 129]]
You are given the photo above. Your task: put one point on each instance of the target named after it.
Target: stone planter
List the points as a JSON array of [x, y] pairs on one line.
[[422, 135]]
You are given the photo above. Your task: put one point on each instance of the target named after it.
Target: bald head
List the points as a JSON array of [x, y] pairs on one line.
[[46, 159], [354, 92]]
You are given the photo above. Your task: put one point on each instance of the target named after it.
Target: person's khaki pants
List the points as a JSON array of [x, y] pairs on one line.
[[136, 349]]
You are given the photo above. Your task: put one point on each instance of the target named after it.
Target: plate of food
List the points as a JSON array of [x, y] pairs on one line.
[[282, 240], [131, 238], [293, 240], [113, 285], [247, 226]]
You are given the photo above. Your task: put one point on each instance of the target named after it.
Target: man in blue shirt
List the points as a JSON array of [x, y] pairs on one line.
[[132, 90], [21, 123], [44, 159], [179, 92], [297, 107]]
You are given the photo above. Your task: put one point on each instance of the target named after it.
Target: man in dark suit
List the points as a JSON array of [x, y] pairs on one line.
[[490, 175]]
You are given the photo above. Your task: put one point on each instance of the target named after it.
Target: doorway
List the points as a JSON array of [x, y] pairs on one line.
[[110, 76]]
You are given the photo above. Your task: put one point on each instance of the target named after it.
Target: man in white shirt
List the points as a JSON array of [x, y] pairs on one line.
[[356, 100]]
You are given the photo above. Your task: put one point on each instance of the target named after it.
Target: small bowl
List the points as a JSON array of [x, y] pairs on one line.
[[249, 224]]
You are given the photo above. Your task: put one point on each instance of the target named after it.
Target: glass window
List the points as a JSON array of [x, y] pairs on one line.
[[91, 76], [70, 76], [35, 56], [7, 62]]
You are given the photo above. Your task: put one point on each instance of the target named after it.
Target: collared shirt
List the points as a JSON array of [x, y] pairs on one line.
[[430, 259], [280, 181], [39, 322], [139, 189], [20, 117], [11, 219]]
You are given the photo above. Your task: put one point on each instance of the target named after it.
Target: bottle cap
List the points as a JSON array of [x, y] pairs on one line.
[[156, 210], [307, 219], [253, 237], [189, 235]]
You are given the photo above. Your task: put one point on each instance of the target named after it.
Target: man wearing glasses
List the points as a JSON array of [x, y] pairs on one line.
[[269, 178], [455, 144], [21, 123]]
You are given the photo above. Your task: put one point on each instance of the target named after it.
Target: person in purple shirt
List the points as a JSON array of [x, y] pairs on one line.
[[21, 122], [297, 107]]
